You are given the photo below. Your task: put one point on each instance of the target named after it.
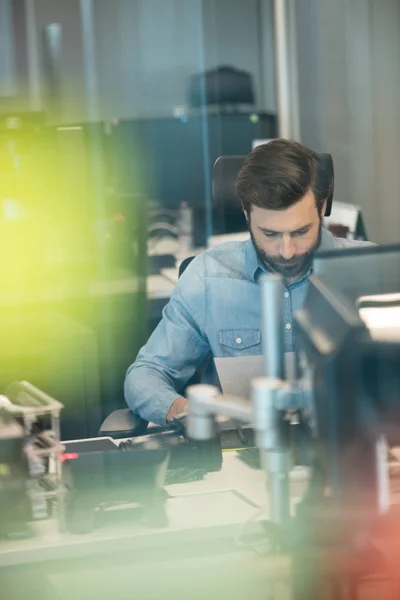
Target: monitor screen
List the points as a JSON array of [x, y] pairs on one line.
[[360, 271]]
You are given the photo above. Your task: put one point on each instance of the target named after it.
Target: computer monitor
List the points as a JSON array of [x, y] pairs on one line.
[[360, 271]]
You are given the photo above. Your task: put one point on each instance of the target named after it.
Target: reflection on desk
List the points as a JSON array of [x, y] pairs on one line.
[[159, 287]]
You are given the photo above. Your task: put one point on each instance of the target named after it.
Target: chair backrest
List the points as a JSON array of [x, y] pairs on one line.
[[226, 169], [184, 264]]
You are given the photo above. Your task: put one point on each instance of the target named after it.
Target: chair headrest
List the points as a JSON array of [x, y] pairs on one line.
[[226, 169]]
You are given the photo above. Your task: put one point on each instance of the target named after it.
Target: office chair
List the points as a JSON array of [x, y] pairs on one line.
[[123, 423]]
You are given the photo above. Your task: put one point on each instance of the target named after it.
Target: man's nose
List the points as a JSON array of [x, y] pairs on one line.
[[287, 249]]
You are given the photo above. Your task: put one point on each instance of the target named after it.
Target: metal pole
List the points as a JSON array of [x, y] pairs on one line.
[[33, 56], [278, 486], [93, 116], [282, 68], [89, 59], [205, 133], [272, 325], [294, 73], [275, 457]]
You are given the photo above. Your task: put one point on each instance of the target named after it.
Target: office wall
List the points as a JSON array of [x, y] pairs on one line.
[[385, 69], [349, 101], [145, 51]]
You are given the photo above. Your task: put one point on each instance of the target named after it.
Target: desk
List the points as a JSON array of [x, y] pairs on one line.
[[126, 560], [196, 557], [159, 287]]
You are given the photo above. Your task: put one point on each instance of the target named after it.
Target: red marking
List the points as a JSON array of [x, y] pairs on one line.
[[68, 456]]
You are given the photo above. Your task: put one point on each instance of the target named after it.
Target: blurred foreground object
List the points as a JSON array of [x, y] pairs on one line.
[[30, 477], [346, 394]]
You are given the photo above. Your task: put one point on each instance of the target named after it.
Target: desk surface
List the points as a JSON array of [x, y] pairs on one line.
[[199, 554], [197, 511]]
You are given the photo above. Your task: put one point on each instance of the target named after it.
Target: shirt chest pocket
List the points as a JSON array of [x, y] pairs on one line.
[[240, 342]]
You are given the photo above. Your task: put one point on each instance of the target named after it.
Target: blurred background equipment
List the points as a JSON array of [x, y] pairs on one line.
[[30, 472], [224, 87], [102, 473], [73, 287], [15, 510], [173, 166]]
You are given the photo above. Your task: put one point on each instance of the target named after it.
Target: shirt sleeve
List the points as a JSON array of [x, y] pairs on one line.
[[175, 350]]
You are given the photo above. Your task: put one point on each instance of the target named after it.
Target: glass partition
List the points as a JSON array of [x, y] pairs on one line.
[[108, 137]]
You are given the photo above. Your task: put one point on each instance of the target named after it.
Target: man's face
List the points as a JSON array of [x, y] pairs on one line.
[[286, 240]]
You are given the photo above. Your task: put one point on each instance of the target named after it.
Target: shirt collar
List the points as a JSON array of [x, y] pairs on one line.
[[254, 266], [327, 240]]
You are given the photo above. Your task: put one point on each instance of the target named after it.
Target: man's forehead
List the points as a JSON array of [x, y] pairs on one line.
[[295, 217]]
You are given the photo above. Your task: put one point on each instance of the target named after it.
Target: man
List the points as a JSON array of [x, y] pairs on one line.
[[215, 307]]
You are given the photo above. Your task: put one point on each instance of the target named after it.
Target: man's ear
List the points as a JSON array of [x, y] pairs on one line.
[[247, 217], [323, 209]]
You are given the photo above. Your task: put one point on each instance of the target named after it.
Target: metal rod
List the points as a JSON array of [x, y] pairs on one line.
[[33, 56], [278, 486], [205, 132], [275, 459], [89, 58], [282, 68], [205, 402], [272, 325]]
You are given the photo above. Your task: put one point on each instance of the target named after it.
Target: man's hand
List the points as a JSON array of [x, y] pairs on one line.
[[179, 406]]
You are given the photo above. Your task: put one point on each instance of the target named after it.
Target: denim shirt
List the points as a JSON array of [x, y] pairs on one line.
[[215, 308]]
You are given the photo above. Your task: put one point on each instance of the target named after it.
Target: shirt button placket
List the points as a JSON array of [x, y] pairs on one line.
[[287, 313]]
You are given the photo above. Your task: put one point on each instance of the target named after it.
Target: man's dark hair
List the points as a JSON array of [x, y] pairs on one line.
[[278, 174]]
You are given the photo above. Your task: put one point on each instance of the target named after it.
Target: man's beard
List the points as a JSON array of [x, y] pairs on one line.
[[294, 268]]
